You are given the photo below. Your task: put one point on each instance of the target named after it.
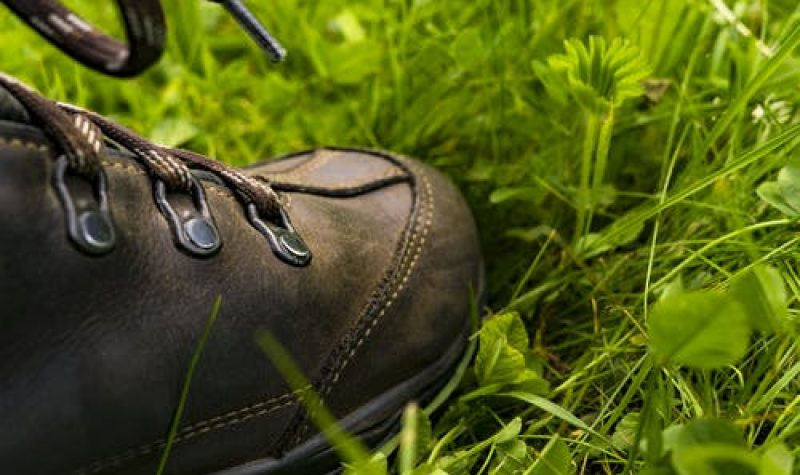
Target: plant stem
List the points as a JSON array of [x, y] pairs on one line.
[[584, 191], [601, 159]]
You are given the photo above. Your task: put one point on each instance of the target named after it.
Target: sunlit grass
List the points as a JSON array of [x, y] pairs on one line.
[[454, 83]]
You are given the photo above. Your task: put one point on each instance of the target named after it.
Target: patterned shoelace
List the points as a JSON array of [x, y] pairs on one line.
[[80, 135], [145, 30]]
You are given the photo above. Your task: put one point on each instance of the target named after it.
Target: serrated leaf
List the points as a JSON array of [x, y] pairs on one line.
[[763, 295], [703, 330], [597, 75], [554, 460]]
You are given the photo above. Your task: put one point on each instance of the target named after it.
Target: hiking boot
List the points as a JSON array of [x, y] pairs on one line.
[[361, 264]]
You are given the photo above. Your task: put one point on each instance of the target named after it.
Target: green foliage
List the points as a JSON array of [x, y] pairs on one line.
[[716, 447], [554, 460], [783, 193], [598, 77], [708, 330], [703, 330], [504, 359], [607, 149]]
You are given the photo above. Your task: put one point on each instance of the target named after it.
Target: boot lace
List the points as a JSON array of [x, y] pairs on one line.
[[145, 30], [81, 136]]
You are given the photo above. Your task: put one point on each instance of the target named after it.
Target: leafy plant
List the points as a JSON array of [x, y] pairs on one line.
[[599, 78]]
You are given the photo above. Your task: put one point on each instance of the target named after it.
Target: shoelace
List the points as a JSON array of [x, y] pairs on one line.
[[145, 30], [80, 136]]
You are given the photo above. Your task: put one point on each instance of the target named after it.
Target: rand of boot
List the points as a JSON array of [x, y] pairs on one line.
[[94, 348]]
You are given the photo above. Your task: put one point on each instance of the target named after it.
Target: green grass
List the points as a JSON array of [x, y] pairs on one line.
[[593, 202]]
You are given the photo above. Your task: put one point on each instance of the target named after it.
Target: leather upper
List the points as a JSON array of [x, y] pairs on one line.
[[94, 350]]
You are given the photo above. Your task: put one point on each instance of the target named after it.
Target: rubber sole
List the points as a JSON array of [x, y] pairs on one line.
[[375, 423]]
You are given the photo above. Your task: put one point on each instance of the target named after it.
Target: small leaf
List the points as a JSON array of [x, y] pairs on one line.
[[468, 49], [703, 330], [428, 469], [784, 193], [703, 431], [666, 469], [554, 460], [625, 434], [776, 460], [375, 465], [527, 194], [503, 342], [550, 407], [174, 132], [512, 458], [621, 232], [711, 447], [771, 193], [459, 462], [763, 295], [509, 432], [348, 25]]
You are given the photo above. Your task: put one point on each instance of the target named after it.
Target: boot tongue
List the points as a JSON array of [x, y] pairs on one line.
[[11, 109]]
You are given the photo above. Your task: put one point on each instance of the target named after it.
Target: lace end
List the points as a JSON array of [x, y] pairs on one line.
[[250, 23]]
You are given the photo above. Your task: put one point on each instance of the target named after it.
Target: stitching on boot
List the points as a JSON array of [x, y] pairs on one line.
[[311, 165], [428, 220], [299, 176], [356, 186], [23, 144], [231, 418], [299, 428], [124, 166]]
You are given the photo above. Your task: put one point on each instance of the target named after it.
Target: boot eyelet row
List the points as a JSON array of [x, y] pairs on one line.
[[91, 228]]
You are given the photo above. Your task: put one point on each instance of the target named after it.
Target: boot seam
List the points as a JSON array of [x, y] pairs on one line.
[[297, 179], [406, 259], [228, 419], [426, 226]]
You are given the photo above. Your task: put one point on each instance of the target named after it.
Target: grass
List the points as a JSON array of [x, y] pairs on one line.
[[594, 201]]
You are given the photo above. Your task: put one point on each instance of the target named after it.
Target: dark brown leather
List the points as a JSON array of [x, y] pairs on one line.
[[93, 350]]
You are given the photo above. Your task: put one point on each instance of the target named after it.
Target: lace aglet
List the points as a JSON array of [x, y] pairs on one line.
[[255, 29]]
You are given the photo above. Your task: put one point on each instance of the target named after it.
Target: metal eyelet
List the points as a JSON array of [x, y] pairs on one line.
[[284, 240], [193, 226], [89, 223]]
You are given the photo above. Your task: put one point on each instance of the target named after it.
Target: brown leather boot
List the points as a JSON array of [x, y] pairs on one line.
[[360, 263]]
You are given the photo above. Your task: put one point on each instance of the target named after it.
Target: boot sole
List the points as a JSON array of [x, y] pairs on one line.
[[375, 423]]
